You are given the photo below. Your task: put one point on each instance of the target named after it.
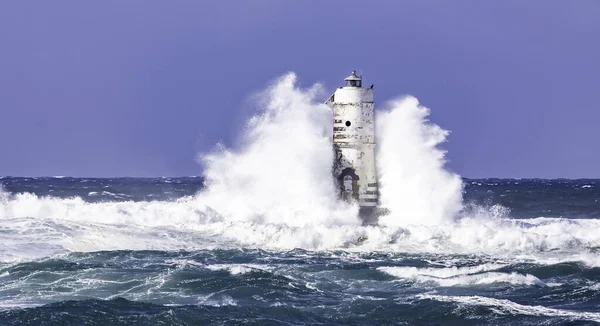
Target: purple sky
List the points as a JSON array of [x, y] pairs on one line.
[[137, 88]]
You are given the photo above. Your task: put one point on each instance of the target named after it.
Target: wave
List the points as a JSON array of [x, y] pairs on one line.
[[465, 276], [504, 307], [281, 173], [275, 191], [40, 226], [238, 269], [406, 272], [415, 186]]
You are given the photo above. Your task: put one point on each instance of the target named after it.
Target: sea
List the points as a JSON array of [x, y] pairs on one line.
[[261, 238]]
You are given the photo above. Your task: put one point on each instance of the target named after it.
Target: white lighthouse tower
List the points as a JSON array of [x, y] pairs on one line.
[[354, 145]]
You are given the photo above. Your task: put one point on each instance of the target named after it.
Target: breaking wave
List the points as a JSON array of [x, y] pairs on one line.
[[465, 276], [414, 184], [275, 191], [282, 172], [507, 307]]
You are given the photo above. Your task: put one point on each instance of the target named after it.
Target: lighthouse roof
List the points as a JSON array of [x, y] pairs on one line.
[[353, 76]]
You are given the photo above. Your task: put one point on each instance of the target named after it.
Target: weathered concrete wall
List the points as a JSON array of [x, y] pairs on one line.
[[354, 144]]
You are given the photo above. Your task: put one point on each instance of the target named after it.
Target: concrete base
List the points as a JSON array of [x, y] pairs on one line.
[[370, 215]]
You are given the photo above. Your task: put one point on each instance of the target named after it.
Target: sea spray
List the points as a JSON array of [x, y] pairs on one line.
[[414, 185], [276, 192], [282, 172]]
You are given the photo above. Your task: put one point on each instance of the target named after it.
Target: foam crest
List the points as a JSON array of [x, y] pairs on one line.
[[414, 185], [41, 226], [464, 276], [492, 278], [154, 213], [406, 272], [217, 300], [238, 269], [506, 307]]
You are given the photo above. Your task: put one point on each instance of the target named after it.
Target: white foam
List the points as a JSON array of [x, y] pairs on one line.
[[492, 278], [413, 182], [59, 225], [282, 171], [439, 272], [595, 287], [238, 269], [224, 300], [504, 307], [275, 191], [463, 276]]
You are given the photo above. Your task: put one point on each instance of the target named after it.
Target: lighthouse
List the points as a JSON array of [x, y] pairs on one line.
[[354, 145]]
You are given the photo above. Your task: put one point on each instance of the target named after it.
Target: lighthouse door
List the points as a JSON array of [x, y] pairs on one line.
[[349, 184], [347, 188]]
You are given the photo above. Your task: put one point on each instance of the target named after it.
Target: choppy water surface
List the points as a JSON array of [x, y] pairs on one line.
[[263, 239], [200, 275]]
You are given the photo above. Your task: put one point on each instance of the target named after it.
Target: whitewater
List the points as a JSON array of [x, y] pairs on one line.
[[272, 198]]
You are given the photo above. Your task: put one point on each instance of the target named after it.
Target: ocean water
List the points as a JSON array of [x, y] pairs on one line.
[[261, 238], [70, 262]]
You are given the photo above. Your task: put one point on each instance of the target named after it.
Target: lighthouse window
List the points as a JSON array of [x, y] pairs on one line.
[[348, 123], [353, 83]]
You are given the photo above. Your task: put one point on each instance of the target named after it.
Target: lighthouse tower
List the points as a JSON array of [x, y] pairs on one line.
[[354, 145]]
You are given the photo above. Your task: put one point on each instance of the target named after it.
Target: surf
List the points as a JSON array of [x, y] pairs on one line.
[[274, 190]]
